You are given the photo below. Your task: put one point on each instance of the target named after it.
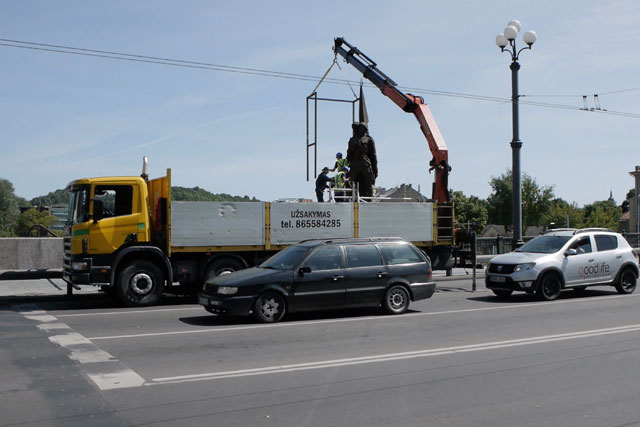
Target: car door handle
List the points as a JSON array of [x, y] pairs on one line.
[[591, 260], [618, 256], [382, 274], [336, 278]]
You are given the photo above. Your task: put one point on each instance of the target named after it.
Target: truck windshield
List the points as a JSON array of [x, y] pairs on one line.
[[287, 258], [78, 205], [544, 244]]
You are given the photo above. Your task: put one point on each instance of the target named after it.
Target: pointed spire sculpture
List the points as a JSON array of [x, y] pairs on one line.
[[363, 116]]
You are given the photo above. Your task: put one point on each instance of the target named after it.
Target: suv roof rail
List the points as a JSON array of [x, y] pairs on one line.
[[559, 229], [586, 230]]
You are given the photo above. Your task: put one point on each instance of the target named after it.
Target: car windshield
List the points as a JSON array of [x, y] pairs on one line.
[[544, 244], [287, 258]]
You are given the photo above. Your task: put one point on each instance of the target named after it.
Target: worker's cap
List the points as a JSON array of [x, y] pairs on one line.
[[344, 168], [339, 155], [325, 169]]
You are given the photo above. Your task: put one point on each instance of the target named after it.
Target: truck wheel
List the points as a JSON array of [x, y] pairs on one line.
[[140, 283], [222, 266], [396, 300], [549, 287], [270, 307], [627, 282]]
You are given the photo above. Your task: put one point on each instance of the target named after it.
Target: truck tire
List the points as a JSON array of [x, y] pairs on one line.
[[222, 266], [140, 283]]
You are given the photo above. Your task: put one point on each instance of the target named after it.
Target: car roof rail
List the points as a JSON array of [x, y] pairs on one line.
[[586, 230]]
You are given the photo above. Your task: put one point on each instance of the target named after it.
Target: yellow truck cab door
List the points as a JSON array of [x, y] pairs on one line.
[[117, 216]]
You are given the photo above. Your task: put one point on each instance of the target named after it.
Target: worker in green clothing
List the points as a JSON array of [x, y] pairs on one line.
[[341, 183], [340, 163]]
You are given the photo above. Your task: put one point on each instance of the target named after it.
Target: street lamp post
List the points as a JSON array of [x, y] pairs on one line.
[[508, 38]]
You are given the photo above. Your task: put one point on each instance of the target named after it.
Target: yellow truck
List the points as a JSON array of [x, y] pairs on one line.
[[127, 236]]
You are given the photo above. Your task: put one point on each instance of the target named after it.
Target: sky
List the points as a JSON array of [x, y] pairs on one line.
[[65, 117]]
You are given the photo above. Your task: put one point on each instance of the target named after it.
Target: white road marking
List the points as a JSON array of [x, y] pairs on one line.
[[113, 380], [356, 319], [92, 354], [395, 356], [120, 313], [41, 317], [46, 327], [67, 340]]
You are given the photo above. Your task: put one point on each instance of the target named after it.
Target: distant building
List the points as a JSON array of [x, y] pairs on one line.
[[403, 193]]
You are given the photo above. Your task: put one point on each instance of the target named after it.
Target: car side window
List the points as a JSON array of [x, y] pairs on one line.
[[363, 256], [606, 243], [582, 246], [400, 254], [325, 258]]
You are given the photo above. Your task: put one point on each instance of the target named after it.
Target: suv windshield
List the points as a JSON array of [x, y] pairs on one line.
[[544, 244], [288, 258]]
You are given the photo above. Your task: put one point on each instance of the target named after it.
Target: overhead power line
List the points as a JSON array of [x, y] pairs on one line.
[[279, 74]]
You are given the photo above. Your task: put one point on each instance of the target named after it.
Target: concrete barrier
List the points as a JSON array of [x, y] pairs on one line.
[[31, 253]]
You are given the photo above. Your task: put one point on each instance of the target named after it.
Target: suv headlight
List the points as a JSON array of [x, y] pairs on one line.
[[524, 267], [227, 290]]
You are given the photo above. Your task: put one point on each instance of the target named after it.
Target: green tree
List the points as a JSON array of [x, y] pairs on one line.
[[627, 200], [536, 201], [32, 217], [58, 197], [9, 208], [470, 210], [604, 213], [563, 214], [197, 194]]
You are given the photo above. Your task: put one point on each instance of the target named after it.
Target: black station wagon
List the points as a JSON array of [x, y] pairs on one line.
[[325, 274]]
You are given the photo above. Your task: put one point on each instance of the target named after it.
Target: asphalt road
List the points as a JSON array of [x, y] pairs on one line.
[[459, 359]]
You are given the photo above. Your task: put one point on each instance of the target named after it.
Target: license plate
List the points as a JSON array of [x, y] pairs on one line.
[[203, 301], [498, 279]]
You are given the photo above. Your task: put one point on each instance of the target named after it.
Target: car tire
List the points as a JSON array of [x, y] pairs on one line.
[[221, 267], [502, 293], [396, 300], [549, 287], [270, 307], [627, 282], [141, 283]]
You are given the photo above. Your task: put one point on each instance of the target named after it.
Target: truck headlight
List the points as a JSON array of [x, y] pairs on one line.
[[79, 266], [524, 267], [227, 290]]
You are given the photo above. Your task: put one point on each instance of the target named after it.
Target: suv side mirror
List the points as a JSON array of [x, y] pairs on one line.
[[303, 270], [570, 252]]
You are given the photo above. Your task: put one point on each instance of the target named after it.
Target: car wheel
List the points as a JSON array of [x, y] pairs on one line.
[[549, 287], [396, 300], [270, 307], [627, 282], [140, 283], [502, 293]]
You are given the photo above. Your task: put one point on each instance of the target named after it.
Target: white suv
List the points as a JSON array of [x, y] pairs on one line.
[[562, 259]]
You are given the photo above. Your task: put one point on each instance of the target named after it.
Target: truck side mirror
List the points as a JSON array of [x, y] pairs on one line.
[[98, 210], [303, 270]]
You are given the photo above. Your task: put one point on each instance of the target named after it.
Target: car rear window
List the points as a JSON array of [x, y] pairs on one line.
[[363, 256], [400, 254], [606, 242]]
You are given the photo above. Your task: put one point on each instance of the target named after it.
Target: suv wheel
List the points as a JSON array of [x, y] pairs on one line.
[[627, 282], [549, 287]]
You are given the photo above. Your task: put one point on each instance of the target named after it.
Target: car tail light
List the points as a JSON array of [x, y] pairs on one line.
[[430, 274], [635, 254]]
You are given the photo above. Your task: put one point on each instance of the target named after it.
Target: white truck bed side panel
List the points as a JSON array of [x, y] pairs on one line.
[[217, 223], [293, 222], [412, 221]]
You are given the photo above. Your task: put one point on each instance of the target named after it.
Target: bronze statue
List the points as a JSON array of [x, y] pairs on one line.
[[361, 156]]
